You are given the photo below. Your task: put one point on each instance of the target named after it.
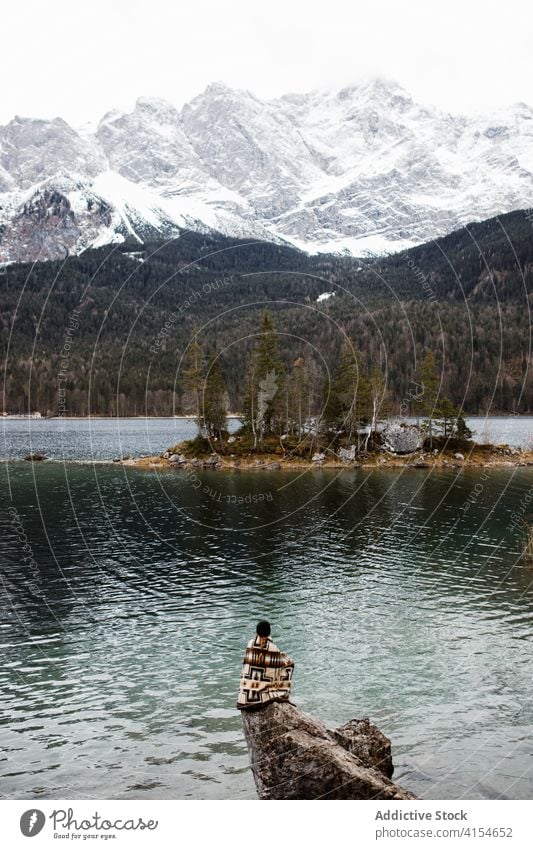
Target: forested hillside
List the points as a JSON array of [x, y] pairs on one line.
[[105, 332]]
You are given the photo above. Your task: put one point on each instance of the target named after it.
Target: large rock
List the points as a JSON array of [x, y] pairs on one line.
[[294, 756], [347, 455], [400, 438], [177, 459]]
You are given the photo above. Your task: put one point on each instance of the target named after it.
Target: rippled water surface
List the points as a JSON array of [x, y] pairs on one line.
[[91, 439], [128, 597], [104, 439]]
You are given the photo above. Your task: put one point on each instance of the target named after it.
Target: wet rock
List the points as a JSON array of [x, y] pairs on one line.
[[294, 756], [36, 457], [274, 466], [363, 739], [178, 459]]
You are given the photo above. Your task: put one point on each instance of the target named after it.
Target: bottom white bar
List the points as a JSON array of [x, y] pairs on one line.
[[255, 824]]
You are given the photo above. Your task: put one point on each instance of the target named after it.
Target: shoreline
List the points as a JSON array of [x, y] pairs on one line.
[[18, 418], [479, 457], [192, 417], [183, 458], [156, 463]]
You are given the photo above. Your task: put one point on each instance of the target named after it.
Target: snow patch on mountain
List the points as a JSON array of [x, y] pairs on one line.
[[365, 169]]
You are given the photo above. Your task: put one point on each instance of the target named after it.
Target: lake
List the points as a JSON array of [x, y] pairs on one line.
[[128, 597], [105, 439]]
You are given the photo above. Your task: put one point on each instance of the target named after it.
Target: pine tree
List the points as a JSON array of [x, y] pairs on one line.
[[214, 408], [264, 395], [298, 397], [448, 413], [193, 376], [427, 402], [461, 428], [347, 396]]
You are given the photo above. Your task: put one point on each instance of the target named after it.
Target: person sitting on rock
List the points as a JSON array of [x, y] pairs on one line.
[[266, 672]]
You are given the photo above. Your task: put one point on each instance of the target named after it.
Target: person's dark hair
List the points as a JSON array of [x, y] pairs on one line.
[[263, 628]]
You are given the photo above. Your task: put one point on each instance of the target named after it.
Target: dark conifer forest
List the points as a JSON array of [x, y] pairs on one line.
[[109, 332]]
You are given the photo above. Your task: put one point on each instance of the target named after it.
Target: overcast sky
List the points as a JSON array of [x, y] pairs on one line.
[[78, 60]]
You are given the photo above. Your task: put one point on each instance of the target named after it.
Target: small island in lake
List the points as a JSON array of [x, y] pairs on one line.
[[350, 421], [238, 454]]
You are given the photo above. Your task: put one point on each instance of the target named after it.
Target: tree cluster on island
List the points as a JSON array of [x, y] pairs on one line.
[[291, 409]]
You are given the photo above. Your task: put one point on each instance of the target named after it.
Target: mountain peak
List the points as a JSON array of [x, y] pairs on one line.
[[221, 91], [362, 168], [156, 105], [218, 87], [377, 90]]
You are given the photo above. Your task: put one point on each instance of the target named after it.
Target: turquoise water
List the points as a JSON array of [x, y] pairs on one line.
[[128, 597]]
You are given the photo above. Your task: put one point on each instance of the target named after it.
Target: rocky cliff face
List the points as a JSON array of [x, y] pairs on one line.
[[365, 168], [293, 756]]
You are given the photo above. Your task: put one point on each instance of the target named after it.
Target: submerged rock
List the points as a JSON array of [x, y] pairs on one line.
[[294, 756]]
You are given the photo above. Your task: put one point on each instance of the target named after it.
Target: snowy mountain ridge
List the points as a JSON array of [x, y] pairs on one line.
[[362, 169]]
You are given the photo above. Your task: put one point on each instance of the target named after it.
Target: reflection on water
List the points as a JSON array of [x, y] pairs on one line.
[[122, 629]]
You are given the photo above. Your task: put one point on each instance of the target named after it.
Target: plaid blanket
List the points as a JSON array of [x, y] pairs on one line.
[[266, 674]]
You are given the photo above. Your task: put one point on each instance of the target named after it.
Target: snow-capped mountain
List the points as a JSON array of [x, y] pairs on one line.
[[365, 168]]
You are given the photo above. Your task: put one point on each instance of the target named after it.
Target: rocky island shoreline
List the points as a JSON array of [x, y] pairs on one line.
[[184, 457]]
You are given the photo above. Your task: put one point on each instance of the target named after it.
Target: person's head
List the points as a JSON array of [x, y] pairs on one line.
[[263, 628]]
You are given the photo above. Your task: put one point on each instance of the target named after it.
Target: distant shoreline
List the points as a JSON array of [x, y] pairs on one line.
[[23, 417]]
